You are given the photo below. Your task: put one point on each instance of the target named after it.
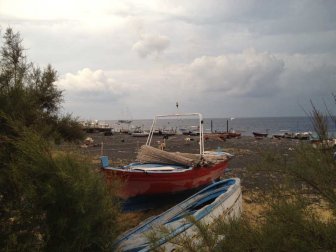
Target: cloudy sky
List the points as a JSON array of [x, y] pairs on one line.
[[135, 59]]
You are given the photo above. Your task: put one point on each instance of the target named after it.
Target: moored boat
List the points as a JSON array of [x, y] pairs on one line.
[[221, 199], [162, 172], [125, 121]]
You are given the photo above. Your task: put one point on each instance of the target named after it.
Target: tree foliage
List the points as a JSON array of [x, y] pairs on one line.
[[49, 201], [28, 93]]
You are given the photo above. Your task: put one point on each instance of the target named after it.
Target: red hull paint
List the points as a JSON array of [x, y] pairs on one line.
[[136, 183]]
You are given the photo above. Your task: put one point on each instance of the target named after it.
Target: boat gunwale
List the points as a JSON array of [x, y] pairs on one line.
[[133, 168], [127, 169], [200, 214]]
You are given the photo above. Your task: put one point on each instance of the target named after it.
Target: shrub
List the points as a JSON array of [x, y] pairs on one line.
[[49, 201]]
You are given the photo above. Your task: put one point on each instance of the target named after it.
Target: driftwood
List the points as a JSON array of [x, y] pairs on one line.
[[149, 154]]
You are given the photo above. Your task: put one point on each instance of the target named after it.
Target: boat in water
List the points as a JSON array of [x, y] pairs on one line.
[[221, 199], [160, 172], [125, 121]]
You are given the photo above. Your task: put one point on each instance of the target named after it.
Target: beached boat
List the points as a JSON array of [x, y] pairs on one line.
[[291, 135], [303, 135], [169, 132], [164, 132], [140, 134], [137, 131], [222, 135], [257, 134], [233, 134], [95, 126], [278, 136], [221, 199], [162, 172]]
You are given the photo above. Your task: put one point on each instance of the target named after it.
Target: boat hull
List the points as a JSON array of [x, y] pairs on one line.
[[220, 200], [257, 134], [135, 183]]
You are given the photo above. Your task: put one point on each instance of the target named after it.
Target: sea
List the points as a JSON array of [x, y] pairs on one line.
[[270, 125]]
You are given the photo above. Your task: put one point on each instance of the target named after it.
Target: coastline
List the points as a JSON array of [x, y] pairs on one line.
[[247, 150]]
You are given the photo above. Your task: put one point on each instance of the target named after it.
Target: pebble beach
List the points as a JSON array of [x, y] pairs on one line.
[[247, 150]]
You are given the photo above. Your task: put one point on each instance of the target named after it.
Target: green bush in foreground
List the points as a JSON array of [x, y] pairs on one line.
[[53, 202], [285, 226]]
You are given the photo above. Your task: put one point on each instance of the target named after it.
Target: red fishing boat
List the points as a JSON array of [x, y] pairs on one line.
[[162, 172]]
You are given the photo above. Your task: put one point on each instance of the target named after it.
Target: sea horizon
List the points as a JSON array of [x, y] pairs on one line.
[[245, 125], [227, 117]]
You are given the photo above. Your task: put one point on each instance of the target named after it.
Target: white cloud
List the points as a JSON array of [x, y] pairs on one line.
[[151, 44], [90, 86], [238, 84], [246, 74]]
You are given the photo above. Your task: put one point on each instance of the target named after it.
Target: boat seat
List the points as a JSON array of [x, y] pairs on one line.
[[104, 161]]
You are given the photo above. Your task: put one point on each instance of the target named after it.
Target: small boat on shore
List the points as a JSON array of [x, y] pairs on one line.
[[138, 131], [140, 134], [303, 135], [278, 136], [161, 172], [221, 199], [257, 134], [95, 126], [222, 135], [233, 134], [292, 135]]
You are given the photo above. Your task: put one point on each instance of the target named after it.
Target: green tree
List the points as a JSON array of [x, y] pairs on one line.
[[13, 61], [13, 70], [43, 90], [29, 94], [50, 201]]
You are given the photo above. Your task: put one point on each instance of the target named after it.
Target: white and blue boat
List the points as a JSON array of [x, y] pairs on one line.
[[222, 199]]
